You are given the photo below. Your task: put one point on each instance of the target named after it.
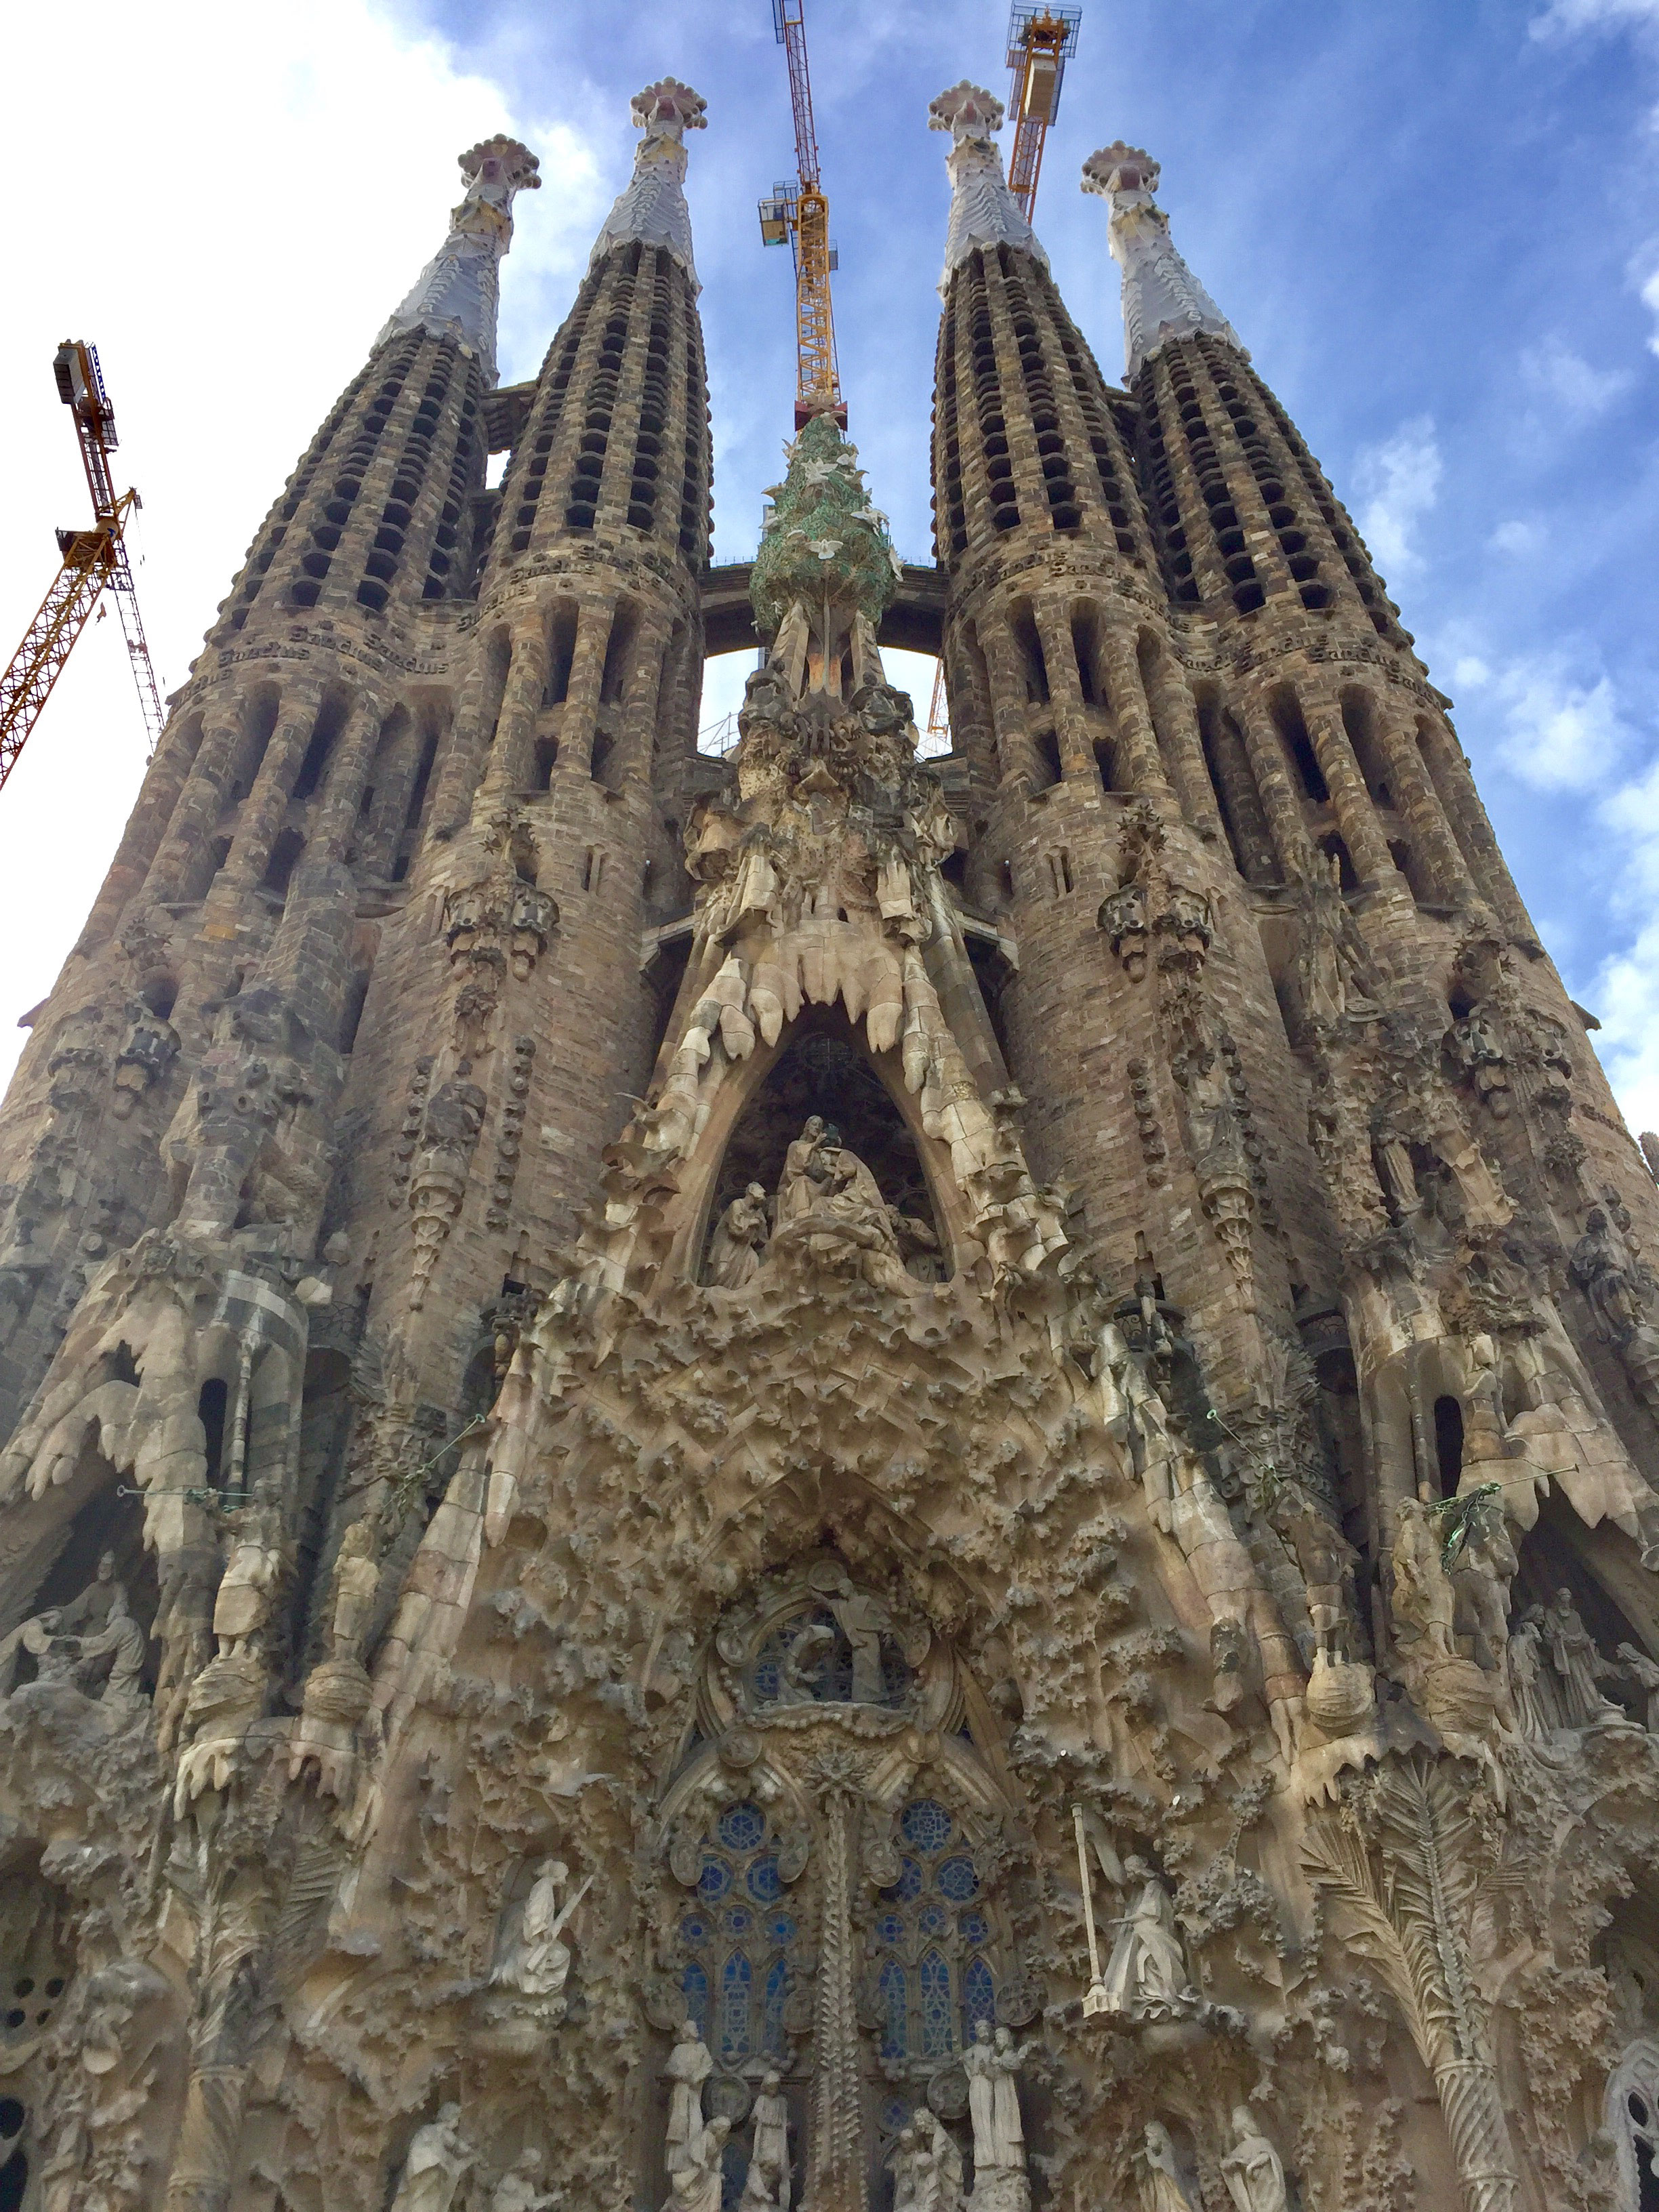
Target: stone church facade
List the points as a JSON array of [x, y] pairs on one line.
[[815, 1479]]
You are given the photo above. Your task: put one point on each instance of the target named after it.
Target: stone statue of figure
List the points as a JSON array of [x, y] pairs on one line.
[[87, 1614], [862, 1619], [765, 2186], [1578, 1665], [1482, 1573], [992, 2066], [822, 1177], [127, 1642], [1148, 1976], [438, 2159], [926, 2166], [734, 1250], [240, 1609], [1424, 1601], [1161, 2189], [1613, 1289], [1252, 2169], [695, 2175], [1532, 1692], [356, 1584], [516, 2191], [1642, 1671], [690, 2065], [533, 1960]]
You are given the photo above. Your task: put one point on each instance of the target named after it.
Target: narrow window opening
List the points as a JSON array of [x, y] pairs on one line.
[[279, 868], [1005, 880], [1066, 882], [1106, 762], [1046, 746], [1287, 714], [561, 652], [547, 754], [1031, 646], [161, 995], [1333, 849], [212, 1406], [1448, 1444], [353, 1014], [599, 759], [1083, 649]]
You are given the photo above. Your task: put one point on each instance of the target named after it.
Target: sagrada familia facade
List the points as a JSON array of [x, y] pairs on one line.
[[813, 1479]]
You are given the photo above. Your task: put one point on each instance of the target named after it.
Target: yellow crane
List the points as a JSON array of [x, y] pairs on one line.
[[92, 561], [798, 216], [1041, 41]]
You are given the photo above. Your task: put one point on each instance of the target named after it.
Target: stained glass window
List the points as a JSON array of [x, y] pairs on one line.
[[933, 1979], [736, 1943], [809, 1659]]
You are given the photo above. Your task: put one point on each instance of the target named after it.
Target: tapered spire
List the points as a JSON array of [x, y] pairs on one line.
[[983, 211], [1162, 298], [653, 210], [458, 293]]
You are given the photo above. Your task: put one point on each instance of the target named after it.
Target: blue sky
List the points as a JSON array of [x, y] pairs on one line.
[[1435, 223]]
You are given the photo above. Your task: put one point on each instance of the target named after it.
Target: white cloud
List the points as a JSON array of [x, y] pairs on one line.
[[1520, 538], [277, 179], [1470, 672], [1563, 17], [1562, 731], [1650, 292], [1565, 378], [1399, 482]]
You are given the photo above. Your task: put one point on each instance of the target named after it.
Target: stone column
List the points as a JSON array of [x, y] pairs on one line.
[[198, 806], [521, 699], [1141, 766], [348, 773], [580, 721], [1356, 815], [1420, 805], [262, 814], [1175, 723], [1065, 690], [1280, 804]]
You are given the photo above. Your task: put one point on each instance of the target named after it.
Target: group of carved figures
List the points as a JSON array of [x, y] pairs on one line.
[[93, 1643], [825, 1192], [926, 2163], [439, 2159], [1252, 2169]]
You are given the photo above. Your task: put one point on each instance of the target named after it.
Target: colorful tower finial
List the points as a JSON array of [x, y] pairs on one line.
[[652, 210], [983, 211], [458, 293], [1162, 298]]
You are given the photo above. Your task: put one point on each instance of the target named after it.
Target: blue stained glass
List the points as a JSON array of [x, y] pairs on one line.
[[777, 1988], [781, 1929], [890, 1928], [908, 1884], [741, 1827], [979, 1997], [976, 1928], [895, 2115], [957, 1880], [714, 1880], [767, 1669], [763, 1883], [936, 2038], [738, 1921], [693, 1930], [933, 1920], [895, 2010], [736, 1978], [694, 1988], [926, 1824]]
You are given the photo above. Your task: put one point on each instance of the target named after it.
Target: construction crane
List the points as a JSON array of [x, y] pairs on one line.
[[798, 216], [93, 561], [1041, 40]]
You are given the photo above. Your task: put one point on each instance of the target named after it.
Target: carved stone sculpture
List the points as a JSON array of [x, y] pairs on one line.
[[767, 2184], [1147, 1978], [439, 2159], [734, 1250], [1619, 1291], [1643, 1671], [1252, 2168], [695, 2172], [1579, 1666], [1161, 2188], [1533, 1698], [533, 1962], [355, 1586], [926, 2166], [992, 2064], [689, 2066], [519, 2189]]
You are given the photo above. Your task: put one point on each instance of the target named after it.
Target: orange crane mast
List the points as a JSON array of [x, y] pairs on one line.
[[93, 561], [798, 214], [1041, 41]]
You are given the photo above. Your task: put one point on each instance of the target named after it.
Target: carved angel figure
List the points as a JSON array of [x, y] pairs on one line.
[[533, 1960], [1252, 2169], [438, 2159], [1148, 1976], [1424, 1603]]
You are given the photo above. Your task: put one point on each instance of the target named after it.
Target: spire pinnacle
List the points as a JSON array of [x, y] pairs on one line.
[[458, 293], [653, 210], [983, 211], [1162, 298]]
